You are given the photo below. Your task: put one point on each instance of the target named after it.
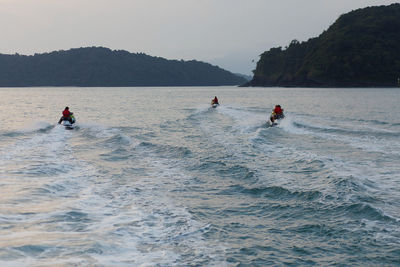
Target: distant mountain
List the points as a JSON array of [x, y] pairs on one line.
[[361, 49], [98, 66], [246, 77]]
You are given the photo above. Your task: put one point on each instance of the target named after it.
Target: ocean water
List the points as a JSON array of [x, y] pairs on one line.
[[155, 177]]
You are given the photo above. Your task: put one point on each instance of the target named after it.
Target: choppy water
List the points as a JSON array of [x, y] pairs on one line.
[[154, 177]]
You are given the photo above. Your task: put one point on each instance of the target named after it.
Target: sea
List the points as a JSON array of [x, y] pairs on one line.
[[156, 177]]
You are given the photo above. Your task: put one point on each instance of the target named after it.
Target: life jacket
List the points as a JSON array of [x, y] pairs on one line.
[[215, 100], [278, 110], [66, 113]]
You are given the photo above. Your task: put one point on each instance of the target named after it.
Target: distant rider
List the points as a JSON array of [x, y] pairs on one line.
[[277, 113], [66, 116], [215, 101]]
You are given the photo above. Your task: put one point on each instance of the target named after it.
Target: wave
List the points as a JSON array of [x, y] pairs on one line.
[[40, 154], [246, 119], [91, 130], [372, 140], [374, 122], [326, 129], [365, 211], [274, 192], [288, 124], [221, 168], [40, 126], [338, 177], [152, 221], [105, 136], [36, 127], [166, 151], [314, 201]]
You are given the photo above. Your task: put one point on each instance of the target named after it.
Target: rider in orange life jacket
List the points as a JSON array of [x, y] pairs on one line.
[[215, 101], [66, 116]]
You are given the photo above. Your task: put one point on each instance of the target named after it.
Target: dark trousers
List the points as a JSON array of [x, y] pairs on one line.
[[65, 119]]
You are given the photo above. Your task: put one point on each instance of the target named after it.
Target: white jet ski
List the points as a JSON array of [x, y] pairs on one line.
[[67, 124]]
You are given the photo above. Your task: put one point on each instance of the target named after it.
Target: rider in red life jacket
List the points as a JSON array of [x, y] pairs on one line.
[[278, 110], [277, 113], [66, 115], [215, 101]]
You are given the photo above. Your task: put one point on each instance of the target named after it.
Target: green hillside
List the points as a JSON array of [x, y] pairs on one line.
[[98, 66], [361, 49]]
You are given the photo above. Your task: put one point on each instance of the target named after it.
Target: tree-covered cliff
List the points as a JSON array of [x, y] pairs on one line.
[[361, 49], [98, 66]]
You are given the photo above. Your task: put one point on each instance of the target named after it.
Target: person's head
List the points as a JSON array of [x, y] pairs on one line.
[[66, 108]]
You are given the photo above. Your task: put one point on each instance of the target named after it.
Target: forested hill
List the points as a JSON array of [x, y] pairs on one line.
[[361, 49], [98, 66]]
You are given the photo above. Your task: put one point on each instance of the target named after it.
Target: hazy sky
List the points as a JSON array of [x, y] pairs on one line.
[[228, 33]]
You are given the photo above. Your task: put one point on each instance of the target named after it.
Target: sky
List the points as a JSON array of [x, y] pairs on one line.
[[228, 33]]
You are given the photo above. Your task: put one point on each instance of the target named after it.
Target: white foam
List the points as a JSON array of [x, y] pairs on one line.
[[367, 142], [287, 125], [133, 220], [99, 131], [155, 218], [245, 120]]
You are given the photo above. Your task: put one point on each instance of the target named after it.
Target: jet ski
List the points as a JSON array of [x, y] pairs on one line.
[[213, 104], [275, 118], [67, 124]]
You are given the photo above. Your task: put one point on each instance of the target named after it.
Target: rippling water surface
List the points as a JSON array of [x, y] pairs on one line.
[[154, 176]]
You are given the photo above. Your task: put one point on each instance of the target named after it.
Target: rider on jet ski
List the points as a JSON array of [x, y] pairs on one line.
[[67, 116], [214, 101], [277, 113]]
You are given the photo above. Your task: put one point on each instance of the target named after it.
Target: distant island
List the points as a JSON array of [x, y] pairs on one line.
[[99, 66], [361, 49]]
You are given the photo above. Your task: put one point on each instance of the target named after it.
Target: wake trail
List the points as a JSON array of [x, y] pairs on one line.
[[366, 137]]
